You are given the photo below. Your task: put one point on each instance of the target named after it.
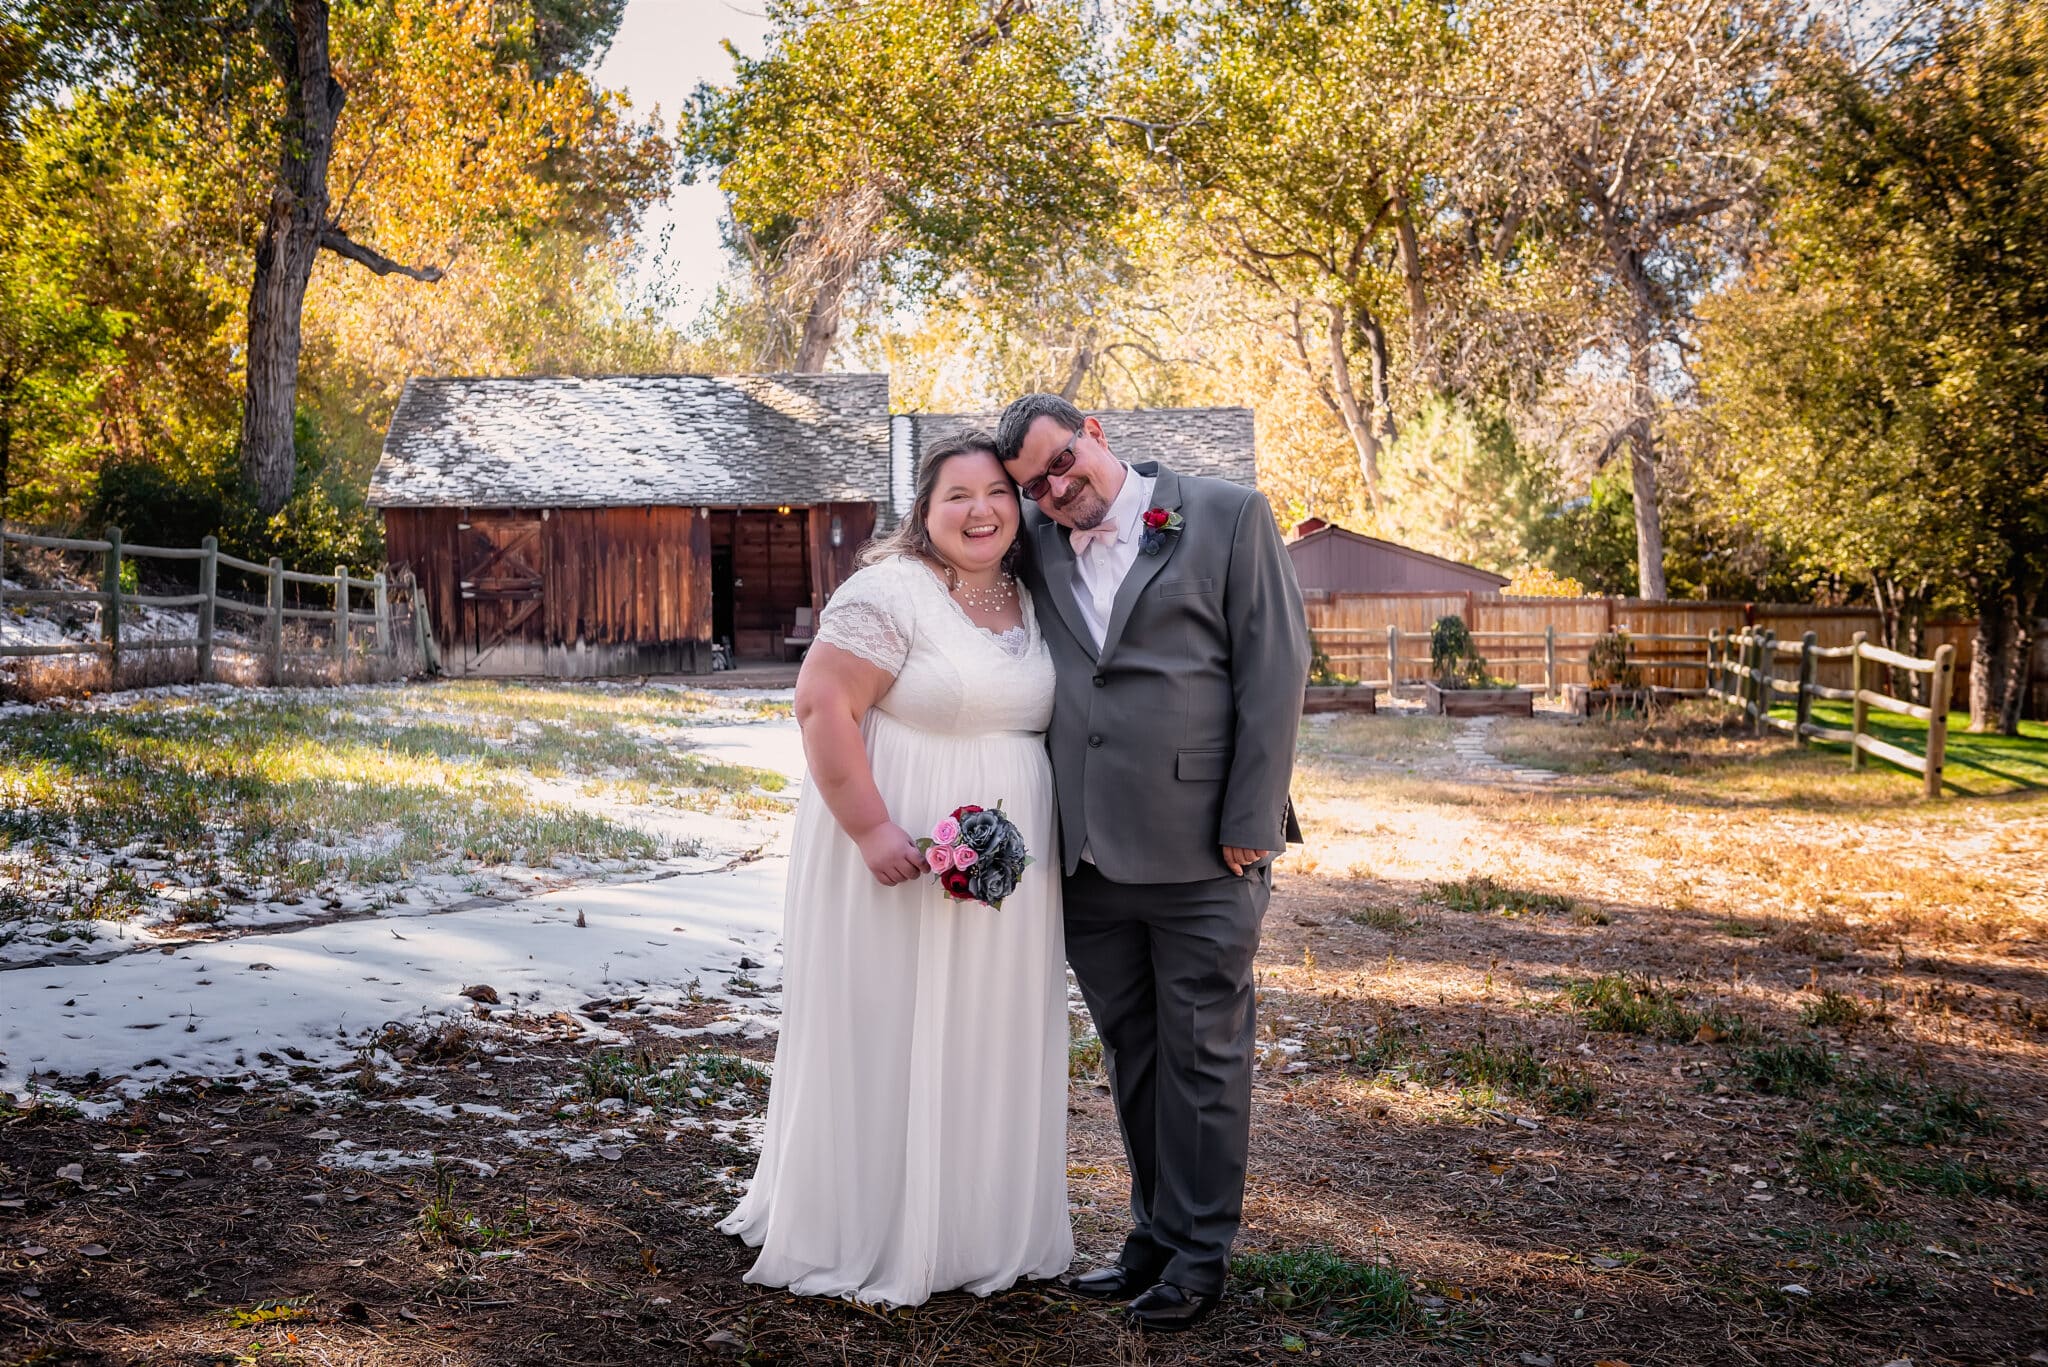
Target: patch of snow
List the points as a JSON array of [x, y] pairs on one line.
[[211, 1009]]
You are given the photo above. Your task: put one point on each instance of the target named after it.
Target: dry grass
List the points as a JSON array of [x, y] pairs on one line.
[[1786, 1103]]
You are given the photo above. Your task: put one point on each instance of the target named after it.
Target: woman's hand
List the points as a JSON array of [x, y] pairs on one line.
[[891, 854]]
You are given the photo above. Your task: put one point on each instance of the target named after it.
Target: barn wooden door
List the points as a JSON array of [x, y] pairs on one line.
[[500, 571]]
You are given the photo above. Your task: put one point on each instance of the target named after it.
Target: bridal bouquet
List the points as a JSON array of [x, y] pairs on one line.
[[977, 854]]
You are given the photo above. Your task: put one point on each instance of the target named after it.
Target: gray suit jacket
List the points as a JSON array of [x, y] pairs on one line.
[[1177, 738]]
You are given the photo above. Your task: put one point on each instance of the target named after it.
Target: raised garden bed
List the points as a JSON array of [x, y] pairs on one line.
[[1341, 698], [1480, 702], [1583, 701]]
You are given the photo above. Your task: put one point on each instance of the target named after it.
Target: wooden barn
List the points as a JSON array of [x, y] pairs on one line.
[[619, 524], [611, 525], [1332, 559]]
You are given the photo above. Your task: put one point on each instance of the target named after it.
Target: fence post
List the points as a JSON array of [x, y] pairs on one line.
[[1393, 661], [110, 630], [276, 624], [209, 573], [1714, 662], [1859, 712], [1937, 725], [1807, 662], [1550, 660], [3, 569], [1766, 670], [340, 644], [382, 592]]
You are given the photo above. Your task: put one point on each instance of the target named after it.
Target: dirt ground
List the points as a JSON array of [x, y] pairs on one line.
[[1698, 1052]]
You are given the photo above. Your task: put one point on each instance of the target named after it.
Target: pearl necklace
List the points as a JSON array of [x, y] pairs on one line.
[[990, 599]]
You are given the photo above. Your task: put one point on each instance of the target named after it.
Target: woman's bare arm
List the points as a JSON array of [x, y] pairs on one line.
[[834, 690]]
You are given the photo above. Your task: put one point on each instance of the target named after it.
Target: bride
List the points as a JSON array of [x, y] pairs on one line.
[[916, 1133]]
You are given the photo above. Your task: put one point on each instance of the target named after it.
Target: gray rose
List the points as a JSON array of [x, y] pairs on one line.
[[997, 882], [982, 830]]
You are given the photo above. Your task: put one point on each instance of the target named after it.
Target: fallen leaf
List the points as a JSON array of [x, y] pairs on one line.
[[92, 1250], [1536, 1360], [1794, 1289], [34, 1251], [72, 1172], [611, 1152], [481, 992]]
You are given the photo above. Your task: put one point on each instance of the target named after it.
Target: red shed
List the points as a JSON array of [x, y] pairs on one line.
[[1332, 559]]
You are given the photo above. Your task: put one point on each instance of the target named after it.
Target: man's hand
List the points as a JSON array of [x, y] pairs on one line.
[[1239, 858], [890, 854]]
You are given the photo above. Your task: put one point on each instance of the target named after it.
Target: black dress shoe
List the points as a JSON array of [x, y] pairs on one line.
[[1113, 1283], [1169, 1308]]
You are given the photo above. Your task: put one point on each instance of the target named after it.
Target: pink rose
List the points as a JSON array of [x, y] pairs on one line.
[[947, 831], [940, 857], [964, 857]]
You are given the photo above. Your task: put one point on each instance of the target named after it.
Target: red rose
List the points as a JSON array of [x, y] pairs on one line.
[[1155, 518], [959, 812], [954, 881]]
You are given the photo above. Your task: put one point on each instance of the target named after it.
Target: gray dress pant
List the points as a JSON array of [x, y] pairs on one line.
[[1166, 970]]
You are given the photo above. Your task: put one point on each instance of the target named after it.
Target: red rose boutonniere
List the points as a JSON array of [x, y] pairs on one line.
[[1158, 523]]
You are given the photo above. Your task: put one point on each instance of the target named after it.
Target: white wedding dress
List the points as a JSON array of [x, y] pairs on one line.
[[916, 1132]]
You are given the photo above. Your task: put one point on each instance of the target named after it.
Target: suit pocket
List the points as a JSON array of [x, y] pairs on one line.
[[1181, 588], [1201, 766]]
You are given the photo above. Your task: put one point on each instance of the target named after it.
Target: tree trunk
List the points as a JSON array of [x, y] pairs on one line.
[[1420, 332], [1642, 464], [1084, 361], [292, 229], [821, 321], [2002, 653], [1364, 436]]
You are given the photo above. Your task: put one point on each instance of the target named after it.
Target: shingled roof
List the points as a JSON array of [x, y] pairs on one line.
[[1192, 441], [623, 440]]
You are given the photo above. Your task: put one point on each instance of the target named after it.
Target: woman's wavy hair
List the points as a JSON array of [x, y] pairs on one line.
[[912, 536]]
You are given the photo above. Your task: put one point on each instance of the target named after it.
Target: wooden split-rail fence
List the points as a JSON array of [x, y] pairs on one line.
[[1743, 672], [1749, 669], [209, 606]]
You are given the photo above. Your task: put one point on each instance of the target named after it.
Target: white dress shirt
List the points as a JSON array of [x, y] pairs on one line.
[[1102, 566]]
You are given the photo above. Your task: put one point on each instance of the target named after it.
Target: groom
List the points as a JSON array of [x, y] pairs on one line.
[[1176, 625]]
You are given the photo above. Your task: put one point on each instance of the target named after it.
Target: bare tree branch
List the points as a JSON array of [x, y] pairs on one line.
[[341, 244]]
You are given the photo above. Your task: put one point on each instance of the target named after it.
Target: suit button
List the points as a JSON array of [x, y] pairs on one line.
[[1095, 742], [1100, 681]]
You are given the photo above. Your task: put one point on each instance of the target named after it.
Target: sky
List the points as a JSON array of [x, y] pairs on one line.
[[663, 50]]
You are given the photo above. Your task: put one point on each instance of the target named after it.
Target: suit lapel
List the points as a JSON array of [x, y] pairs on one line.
[[1165, 494], [1057, 558]]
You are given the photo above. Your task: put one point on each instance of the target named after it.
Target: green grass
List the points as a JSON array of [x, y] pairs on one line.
[[1518, 1072], [688, 1082], [1978, 765], [1789, 1069], [264, 797], [1481, 894], [1622, 1006], [1349, 1298], [1837, 1010]]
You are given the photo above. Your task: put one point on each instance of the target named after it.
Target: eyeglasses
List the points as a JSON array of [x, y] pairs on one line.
[[1061, 462]]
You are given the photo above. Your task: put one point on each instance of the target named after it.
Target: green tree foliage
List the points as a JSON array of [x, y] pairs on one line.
[[1882, 375], [946, 142], [144, 137]]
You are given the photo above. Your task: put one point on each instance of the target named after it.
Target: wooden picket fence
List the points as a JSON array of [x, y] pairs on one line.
[[1743, 672], [1541, 650], [210, 606]]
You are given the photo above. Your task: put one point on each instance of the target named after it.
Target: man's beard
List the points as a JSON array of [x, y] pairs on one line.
[[1084, 508]]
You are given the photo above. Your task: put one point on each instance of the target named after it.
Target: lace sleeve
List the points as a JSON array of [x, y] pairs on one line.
[[866, 617]]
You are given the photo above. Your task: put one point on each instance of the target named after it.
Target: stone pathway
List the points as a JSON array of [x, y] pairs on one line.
[[1480, 765]]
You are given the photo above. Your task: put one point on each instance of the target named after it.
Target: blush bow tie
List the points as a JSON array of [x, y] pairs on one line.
[[1102, 533]]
